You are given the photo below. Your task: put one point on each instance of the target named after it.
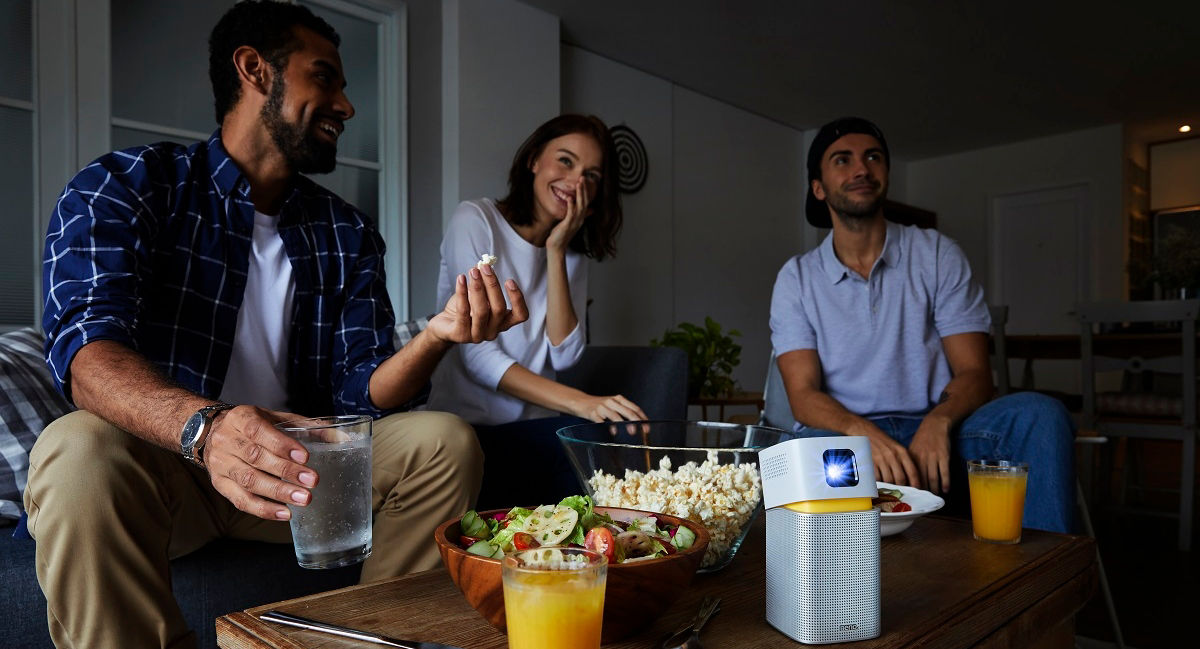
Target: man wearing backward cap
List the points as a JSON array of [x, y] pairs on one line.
[[881, 331]]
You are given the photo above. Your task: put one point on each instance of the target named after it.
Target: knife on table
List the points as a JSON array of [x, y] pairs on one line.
[[279, 617]]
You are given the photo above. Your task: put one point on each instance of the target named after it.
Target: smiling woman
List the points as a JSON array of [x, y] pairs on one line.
[[562, 208]]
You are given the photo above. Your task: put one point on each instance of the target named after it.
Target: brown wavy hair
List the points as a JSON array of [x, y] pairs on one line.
[[597, 238]]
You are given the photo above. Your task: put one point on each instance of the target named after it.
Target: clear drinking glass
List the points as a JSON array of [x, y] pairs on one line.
[[554, 597], [334, 529], [997, 499]]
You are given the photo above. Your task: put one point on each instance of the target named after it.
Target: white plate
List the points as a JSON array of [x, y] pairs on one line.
[[921, 501]]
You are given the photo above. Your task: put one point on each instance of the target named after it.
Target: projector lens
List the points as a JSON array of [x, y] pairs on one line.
[[840, 468]]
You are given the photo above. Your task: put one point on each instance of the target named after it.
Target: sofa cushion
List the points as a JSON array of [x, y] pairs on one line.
[[28, 403], [406, 331]]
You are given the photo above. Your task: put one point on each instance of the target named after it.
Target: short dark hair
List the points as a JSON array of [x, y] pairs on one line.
[[598, 236], [265, 25]]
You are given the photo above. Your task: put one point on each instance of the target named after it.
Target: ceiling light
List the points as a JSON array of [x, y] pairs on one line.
[[1185, 128]]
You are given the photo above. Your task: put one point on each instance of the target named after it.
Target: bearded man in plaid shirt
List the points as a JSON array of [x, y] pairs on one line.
[[214, 284]]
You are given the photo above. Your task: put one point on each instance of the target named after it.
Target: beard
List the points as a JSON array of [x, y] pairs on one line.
[[304, 151], [855, 214]]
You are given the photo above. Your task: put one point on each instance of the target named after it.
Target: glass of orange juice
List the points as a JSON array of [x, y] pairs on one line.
[[554, 597], [997, 499]]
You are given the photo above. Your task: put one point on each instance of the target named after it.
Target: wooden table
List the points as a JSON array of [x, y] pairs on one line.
[[941, 588]]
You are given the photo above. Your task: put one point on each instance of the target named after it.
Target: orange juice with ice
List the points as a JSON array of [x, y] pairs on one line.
[[997, 499], [554, 603]]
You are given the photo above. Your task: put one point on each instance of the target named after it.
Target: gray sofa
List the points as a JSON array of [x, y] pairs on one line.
[[233, 575]]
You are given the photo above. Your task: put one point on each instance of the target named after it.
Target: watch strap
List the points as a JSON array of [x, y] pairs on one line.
[[196, 431]]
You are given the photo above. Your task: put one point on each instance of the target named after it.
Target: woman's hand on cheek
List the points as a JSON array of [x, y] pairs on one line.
[[562, 233]]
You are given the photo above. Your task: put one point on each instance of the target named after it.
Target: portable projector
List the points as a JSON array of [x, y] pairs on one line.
[[822, 539]]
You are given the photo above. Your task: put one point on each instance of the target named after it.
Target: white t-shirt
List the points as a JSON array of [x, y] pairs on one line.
[[465, 381], [258, 366]]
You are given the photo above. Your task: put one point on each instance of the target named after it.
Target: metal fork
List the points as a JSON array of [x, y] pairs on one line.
[[682, 636]]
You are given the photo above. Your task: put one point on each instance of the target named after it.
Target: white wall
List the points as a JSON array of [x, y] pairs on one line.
[[484, 74], [738, 214], [500, 80], [633, 293], [1175, 174], [719, 214], [959, 188]]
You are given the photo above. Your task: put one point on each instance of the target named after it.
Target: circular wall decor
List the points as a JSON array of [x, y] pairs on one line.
[[632, 164]]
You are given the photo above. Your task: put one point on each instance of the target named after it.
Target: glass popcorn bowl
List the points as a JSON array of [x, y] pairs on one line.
[[703, 471]]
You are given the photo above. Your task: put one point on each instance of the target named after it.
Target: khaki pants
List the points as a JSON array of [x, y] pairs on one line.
[[109, 511]]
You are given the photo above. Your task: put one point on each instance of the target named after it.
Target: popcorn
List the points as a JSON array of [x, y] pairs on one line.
[[722, 497], [485, 260]]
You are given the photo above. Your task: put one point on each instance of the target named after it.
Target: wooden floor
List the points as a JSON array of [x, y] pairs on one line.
[[1155, 586]]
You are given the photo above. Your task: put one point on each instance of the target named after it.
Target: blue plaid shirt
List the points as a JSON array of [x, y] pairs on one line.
[[150, 247]]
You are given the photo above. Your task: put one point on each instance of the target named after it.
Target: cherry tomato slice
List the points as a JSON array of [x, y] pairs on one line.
[[524, 541], [599, 539], [901, 507]]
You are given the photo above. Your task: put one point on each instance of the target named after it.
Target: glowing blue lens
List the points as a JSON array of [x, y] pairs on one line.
[[840, 468]]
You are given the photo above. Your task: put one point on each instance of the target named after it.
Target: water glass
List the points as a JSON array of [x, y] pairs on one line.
[[334, 529]]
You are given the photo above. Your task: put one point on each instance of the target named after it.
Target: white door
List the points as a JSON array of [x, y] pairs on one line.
[[1038, 261]]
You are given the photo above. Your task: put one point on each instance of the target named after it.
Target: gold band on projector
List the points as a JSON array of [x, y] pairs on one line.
[[831, 505]]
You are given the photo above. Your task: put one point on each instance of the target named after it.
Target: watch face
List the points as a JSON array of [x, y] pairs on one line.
[[191, 429]]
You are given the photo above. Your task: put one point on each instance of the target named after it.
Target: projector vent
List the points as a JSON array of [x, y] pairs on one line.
[[775, 467], [822, 574]]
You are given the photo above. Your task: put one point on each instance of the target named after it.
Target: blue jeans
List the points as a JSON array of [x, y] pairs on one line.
[[1024, 427]]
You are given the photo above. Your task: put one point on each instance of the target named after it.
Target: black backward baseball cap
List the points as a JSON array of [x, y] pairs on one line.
[[815, 210]]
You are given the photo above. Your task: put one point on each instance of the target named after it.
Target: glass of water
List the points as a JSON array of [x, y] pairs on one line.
[[334, 529]]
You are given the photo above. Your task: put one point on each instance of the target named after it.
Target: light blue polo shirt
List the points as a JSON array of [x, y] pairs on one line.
[[880, 338]]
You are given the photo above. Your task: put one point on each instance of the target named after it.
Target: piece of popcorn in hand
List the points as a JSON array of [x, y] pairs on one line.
[[485, 260]]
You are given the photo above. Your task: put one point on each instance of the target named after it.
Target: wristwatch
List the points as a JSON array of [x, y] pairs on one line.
[[196, 430]]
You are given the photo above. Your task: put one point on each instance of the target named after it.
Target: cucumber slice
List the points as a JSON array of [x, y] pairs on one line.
[[684, 538], [485, 549], [550, 524]]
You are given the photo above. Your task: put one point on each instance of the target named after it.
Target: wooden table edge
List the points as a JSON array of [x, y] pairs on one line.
[[241, 630], [1011, 598]]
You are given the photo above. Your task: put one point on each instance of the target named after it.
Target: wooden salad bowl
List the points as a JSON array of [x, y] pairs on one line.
[[635, 594]]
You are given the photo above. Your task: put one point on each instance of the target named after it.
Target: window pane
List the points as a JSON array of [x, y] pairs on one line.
[[360, 60], [359, 187], [16, 50], [160, 61], [19, 252]]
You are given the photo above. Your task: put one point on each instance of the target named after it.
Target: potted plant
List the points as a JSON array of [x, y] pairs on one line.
[[712, 355], [1177, 264]]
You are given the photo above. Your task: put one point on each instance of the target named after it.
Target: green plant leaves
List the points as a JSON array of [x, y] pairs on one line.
[[712, 355]]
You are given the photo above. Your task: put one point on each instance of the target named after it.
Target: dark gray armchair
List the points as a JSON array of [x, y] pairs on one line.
[[655, 378]]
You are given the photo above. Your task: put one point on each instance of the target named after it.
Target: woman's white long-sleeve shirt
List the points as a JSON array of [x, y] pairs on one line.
[[465, 382]]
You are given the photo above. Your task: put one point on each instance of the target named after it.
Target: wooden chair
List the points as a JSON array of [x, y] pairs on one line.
[[1146, 415], [999, 313]]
